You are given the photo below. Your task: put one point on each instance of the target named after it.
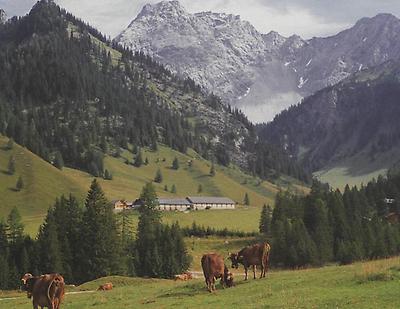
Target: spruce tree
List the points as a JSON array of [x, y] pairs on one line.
[[11, 165], [158, 177], [147, 259], [15, 228], [166, 188], [175, 164], [200, 189], [246, 200], [173, 189], [59, 161], [100, 245], [212, 170], [265, 220], [20, 184], [10, 144]]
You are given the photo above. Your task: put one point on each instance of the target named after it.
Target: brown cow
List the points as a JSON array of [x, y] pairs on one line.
[[45, 291], [214, 268], [256, 255], [105, 287], [184, 277]]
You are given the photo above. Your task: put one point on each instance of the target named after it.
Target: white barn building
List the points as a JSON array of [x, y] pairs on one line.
[[205, 202]]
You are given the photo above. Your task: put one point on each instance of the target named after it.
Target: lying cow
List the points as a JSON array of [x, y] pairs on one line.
[[184, 277], [105, 287], [45, 290], [214, 268], [256, 255]]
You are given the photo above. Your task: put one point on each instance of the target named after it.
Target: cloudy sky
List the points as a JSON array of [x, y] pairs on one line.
[[307, 18]]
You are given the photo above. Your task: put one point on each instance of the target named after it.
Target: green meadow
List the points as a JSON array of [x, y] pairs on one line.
[[362, 285]]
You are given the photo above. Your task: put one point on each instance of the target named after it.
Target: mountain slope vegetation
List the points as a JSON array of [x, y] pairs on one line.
[[353, 121], [70, 95]]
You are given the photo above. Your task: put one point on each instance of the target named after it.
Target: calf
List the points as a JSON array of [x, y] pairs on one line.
[[105, 287]]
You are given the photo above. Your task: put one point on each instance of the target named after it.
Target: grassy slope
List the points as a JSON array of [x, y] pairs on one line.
[[362, 285], [43, 183]]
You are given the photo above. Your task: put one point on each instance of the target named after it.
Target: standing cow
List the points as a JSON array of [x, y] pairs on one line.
[[45, 290], [256, 255], [214, 268]]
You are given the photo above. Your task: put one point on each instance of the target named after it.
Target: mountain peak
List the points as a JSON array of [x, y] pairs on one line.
[[382, 18], [162, 8]]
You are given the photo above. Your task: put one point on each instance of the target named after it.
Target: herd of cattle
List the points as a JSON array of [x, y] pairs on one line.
[[49, 290]]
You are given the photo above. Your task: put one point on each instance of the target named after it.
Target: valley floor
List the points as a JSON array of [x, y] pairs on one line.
[[362, 285]]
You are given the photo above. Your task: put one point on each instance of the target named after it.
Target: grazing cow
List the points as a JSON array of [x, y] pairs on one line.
[[214, 268], [105, 287], [256, 255], [184, 277], [45, 290]]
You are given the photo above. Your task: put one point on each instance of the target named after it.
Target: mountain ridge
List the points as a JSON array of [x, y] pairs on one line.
[[261, 74]]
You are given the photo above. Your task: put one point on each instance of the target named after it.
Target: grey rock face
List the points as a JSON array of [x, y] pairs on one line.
[[3, 16], [260, 73]]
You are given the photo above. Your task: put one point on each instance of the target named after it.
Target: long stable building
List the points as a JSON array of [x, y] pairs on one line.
[[191, 203]]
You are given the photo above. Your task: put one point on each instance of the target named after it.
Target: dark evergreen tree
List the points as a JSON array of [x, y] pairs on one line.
[[100, 247], [138, 159], [246, 200], [175, 164], [200, 188], [173, 189], [11, 165], [212, 170], [58, 160], [20, 184], [158, 177], [15, 228], [265, 220]]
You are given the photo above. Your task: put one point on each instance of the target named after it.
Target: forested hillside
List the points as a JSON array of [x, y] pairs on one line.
[[356, 119], [71, 96]]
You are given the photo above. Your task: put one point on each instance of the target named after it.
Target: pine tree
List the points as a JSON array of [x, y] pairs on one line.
[[246, 200], [166, 188], [147, 259], [49, 246], [100, 246], [107, 175], [173, 189], [175, 164], [265, 220], [59, 161], [212, 170], [158, 178], [146, 161], [15, 228], [200, 189], [11, 165], [20, 184]]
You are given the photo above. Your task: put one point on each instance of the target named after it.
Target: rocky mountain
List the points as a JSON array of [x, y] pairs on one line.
[[3, 16], [356, 120], [260, 73], [70, 95]]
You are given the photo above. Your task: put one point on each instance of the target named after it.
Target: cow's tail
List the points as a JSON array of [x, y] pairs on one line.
[[50, 299]]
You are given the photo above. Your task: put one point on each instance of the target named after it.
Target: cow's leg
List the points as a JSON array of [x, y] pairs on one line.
[[35, 306], [213, 284], [262, 270], [245, 272], [208, 283], [254, 271]]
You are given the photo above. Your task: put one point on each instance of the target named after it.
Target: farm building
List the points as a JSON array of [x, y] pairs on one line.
[[205, 202], [120, 205], [191, 203], [174, 204]]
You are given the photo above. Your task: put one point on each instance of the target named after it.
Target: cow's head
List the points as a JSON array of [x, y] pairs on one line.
[[228, 277], [234, 257], [27, 282]]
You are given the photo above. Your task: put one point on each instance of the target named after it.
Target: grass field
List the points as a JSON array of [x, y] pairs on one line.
[[362, 285], [43, 183]]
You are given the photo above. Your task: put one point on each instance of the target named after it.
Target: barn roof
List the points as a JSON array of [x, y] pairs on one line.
[[173, 201], [209, 200]]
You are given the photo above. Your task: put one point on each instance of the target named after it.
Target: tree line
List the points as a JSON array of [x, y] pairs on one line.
[[91, 242], [330, 226]]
